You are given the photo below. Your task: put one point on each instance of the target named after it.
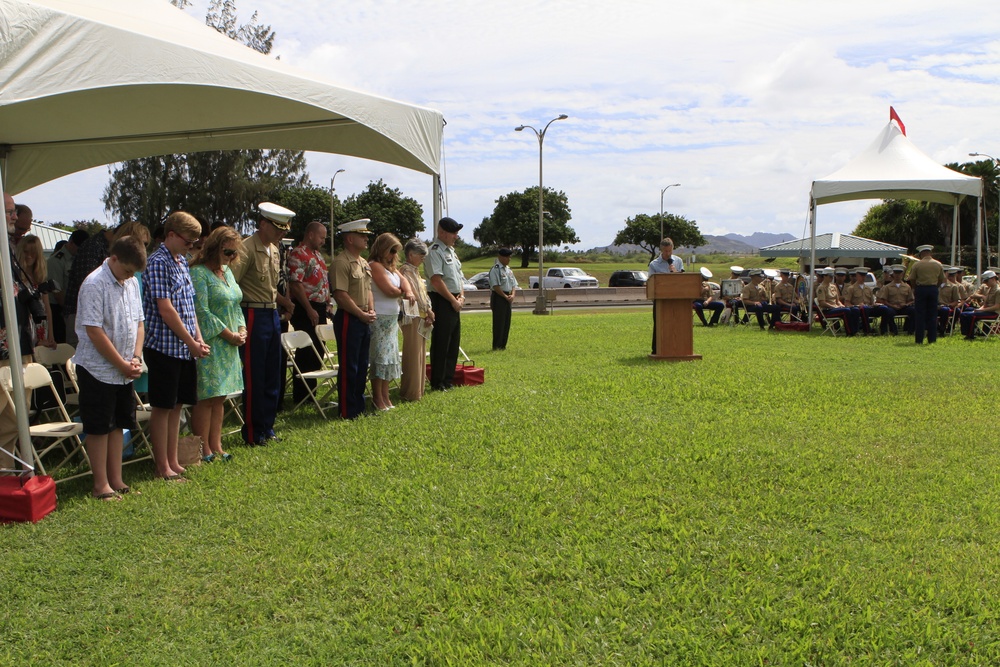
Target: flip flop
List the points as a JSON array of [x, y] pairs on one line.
[[226, 456], [172, 478], [106, 496], [208, 458], [127, 489]]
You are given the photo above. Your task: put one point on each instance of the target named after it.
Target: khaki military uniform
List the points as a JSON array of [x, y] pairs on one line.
[[858, 295]]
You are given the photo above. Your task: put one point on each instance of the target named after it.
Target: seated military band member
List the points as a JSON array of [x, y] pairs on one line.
[[989, 310], [859, 296], [950, 298], [706, 300], [736, 273], [830, 305], [783, 298], [754, 299], [895, 298]]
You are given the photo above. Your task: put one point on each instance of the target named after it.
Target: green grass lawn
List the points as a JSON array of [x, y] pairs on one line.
[[789, 500]]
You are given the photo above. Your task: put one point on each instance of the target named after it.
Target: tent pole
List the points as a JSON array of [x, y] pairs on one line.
[[979, 238], [436, 184], [954, 232], [812, 256], [13, 338]]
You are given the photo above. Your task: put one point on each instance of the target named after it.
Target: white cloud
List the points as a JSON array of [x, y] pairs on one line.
[[743, 103]]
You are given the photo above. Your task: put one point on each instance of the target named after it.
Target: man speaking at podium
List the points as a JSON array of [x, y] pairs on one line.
[[667, 262]]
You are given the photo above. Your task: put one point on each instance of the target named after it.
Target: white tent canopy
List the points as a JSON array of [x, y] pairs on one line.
[[893, 168], [90, 82]]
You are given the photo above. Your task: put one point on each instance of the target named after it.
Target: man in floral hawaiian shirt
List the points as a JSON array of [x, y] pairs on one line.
[[309, 287]]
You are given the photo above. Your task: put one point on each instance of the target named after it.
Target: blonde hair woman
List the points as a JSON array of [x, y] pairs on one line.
[[415, 329], [217, 300], [31, 259], [388, 287]]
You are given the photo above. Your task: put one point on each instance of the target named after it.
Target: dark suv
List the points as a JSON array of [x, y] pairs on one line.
[[628, 279]]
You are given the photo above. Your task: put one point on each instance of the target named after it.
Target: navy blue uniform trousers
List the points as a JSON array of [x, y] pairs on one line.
[[263, 374], [353, 340], [925, 305], [446, 337]]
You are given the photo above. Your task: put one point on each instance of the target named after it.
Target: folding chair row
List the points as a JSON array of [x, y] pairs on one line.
[[325, 378], [59, 433]]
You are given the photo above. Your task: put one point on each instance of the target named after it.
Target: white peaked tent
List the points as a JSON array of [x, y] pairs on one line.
[[90, 82], [893, 168]]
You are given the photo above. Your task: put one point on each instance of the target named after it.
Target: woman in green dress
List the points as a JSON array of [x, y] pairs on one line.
[[217, 305]]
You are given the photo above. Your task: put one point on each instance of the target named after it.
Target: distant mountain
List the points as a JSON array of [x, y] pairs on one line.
[[761, 239], [732, 244]]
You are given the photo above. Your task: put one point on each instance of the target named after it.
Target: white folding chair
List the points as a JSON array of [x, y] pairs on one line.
[[231, 408], [57, 433], [58, 359], [325, 334], [834, 324], [300, 340]]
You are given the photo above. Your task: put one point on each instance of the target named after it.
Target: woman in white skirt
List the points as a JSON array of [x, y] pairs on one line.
[[388, 287]]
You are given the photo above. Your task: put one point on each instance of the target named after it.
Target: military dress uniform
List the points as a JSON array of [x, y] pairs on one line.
[[860, 298], [446, 337], [354, 276], [501, 276], [927, 276], [827, 297], [263, 373], [783, 291], [755, 293], [991, 300], [704, 301], [897, 298], [59, 265], [949, 293]]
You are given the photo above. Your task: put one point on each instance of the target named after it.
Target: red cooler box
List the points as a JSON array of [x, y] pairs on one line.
[[26, 500], [466, 374]]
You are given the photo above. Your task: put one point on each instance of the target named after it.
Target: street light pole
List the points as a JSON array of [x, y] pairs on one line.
[[672, 185], [540, 299], [333, 234], [996, 165]]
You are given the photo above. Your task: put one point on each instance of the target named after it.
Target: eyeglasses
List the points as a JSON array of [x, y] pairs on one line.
[[229, 252], [187, 243]]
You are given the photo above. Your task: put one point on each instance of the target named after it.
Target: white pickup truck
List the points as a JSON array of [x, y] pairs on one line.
[[564, 277]]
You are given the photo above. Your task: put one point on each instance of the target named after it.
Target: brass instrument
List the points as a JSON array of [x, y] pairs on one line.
[[908, 261]]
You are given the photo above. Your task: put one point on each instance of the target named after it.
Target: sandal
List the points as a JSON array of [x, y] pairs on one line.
[[106, 496], [127, 489], [172, 478], [208, 458], [226, 456]]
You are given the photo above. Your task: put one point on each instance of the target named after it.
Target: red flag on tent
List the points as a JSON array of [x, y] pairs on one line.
[[895, 116]]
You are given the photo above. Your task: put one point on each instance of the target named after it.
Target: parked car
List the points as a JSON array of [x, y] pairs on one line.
[[481, 280], [564, 276], [628, 279]]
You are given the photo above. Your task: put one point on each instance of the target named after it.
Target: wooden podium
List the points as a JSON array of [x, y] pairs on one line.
[[672, 294]]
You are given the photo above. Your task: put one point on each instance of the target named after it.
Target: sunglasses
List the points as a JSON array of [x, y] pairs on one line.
[[229, 252]]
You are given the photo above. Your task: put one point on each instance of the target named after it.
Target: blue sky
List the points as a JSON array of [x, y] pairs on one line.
[[742, 103]]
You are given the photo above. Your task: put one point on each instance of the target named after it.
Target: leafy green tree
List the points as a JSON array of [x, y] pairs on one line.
[[310, 202], [644, 231], [223, 186], [514, 222], [388, 210], [902, 222]]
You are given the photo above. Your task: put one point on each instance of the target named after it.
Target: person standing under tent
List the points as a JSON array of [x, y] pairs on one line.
[[351, 280], [927, 275], [257, 275]]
